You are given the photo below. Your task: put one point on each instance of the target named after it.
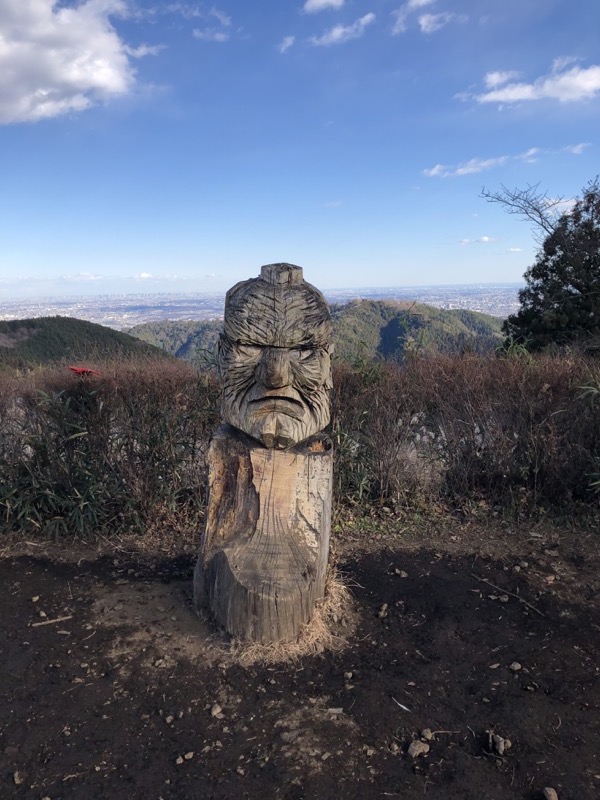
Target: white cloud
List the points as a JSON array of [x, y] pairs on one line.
[[143, 276], [562, 84], [470, 167], [495, 79], [577, 149], [429, 23], [514, 249], [211, 34], [286, 43], [344, 33], [312, 6], [401, 14], [475, 165], [59, 59], [82, 276], [480, 240], [144, 50]]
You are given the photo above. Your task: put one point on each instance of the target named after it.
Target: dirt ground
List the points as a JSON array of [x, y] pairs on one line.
[[463, 631]]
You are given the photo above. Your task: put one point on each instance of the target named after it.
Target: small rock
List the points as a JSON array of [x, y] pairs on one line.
[[160, 662], [17, 778], [523, 564], [179, 760], [189, 756], [400, 573], [325, 756], [383, 611], [549, 793], [503, 598], [335, 711], [216, 711], [169, 719], [35, 598], [42, 614], [501, 745], [427, 734], [348, 675], [516, 568], [369, 751], [494, 666], [550, 578], [515, 666], [417, 749], [394, 747]]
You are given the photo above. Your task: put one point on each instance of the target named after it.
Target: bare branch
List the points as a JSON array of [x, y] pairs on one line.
[[530, 204]]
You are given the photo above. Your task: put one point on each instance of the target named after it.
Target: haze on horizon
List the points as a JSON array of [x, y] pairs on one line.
[[153, 147]]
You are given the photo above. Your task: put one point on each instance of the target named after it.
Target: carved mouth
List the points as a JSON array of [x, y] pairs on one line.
[[278, 404]]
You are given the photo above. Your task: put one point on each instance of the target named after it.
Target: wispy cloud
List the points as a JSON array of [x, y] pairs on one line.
[[495, 79], [470, 167], [144, 50], [475, 165], [577, 149], [480, 240], [344, 33], [214, 33], [515, 249], [565, 83], [211, 34], [82, 276], [286, 43], [312, 6], [57, 60], [430, 23], [333, 204]]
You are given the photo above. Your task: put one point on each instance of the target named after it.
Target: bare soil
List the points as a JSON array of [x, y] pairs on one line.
[[110, 687]]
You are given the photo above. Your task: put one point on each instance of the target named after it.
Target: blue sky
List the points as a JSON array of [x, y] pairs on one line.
[[177, 146]]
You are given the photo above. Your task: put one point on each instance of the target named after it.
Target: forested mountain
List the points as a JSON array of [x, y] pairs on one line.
[[29, 342], [192, 341], [363, 329], [388, 329]]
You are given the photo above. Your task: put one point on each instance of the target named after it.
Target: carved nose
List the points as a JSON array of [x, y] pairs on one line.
[[275, 368]]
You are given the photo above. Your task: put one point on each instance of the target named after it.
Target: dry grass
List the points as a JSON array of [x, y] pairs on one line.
[[334, 620]]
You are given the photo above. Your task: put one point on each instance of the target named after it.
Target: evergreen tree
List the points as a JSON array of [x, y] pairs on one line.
[[561, 302]]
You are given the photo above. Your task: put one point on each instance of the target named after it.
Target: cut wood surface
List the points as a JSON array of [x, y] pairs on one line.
[[264, 551]]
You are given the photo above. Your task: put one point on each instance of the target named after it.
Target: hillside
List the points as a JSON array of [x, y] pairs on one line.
[[192, 341], [363, 329], [387, 329], [29, 342]]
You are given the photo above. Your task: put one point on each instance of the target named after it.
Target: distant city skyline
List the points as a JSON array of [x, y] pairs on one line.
[[176, 147], [123, 311]]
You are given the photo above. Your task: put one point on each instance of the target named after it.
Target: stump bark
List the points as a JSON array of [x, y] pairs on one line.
[[263, 555]]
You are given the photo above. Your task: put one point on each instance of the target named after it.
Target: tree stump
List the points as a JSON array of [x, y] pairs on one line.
[[263, 560], [263, 556]]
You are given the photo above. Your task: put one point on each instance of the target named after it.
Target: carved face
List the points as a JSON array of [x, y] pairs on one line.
[[275, 362]]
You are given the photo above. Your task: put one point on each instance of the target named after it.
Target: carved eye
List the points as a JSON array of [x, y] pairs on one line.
[[301, 353], [249, 350]]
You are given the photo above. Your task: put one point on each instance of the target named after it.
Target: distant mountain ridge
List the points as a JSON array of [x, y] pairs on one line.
[[43, 340], [362, 329]]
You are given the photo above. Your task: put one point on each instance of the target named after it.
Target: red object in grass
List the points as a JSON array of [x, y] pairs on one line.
[[84, 371]]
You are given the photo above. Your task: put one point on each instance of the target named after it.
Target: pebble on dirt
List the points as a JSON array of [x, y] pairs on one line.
[[550, 793], [417, 749]]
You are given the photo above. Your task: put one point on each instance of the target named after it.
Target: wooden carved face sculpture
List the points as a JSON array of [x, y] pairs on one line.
[[274, 357]]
